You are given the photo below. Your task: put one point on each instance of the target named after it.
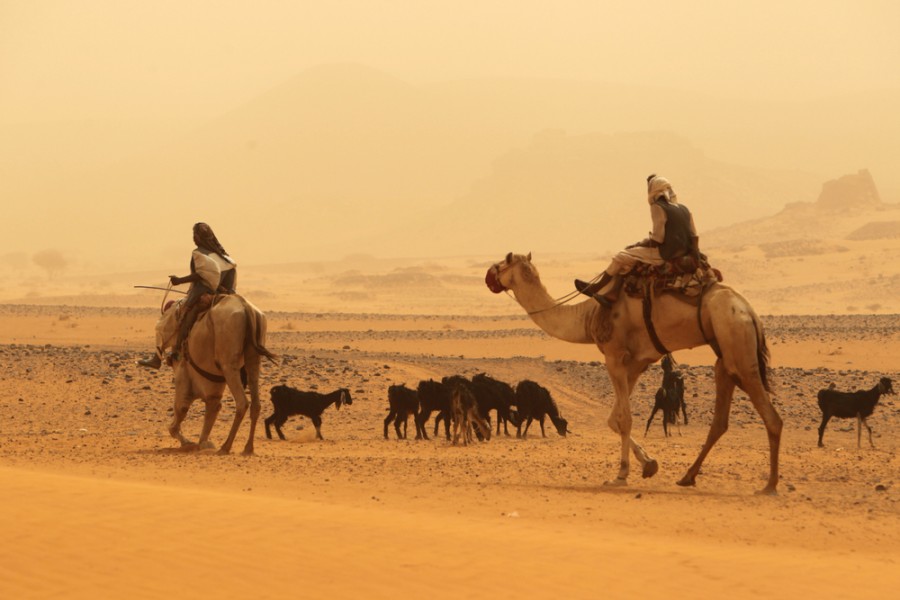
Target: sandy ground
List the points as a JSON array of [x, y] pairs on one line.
[[99, 501]]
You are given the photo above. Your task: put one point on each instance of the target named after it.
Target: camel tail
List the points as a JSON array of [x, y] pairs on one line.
[[257, 334], [762, 353]]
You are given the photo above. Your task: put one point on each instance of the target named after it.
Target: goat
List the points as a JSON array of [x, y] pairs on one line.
[[535, 402], [403, 402], [464, 410], [289, 401], [433, 396], [492, 394], [669, 397], [846, 405]]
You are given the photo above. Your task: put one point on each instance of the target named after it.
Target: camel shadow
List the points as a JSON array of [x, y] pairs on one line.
[[626, 490], [190, 449]]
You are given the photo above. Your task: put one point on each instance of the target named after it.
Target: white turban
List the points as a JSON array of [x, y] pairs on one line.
[[660, 186]]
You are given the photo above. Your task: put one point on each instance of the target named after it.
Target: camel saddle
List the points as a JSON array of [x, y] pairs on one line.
[[206, 302], [682, 276]]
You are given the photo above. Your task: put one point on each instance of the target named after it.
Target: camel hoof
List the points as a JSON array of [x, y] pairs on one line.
[[617, 482], [650, 469], [207, 445], [247, 452], [223, 452], [686, 482], [767, 491]]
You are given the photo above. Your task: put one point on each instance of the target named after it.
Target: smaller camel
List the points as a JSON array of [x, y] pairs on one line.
[[224, 347]]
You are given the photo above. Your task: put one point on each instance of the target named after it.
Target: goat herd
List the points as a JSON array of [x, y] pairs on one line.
[[465, 404]]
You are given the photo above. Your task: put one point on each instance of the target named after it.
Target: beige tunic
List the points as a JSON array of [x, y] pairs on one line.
[[210, 267]]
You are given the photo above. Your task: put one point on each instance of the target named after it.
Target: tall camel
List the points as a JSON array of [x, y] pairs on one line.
[[229, 337], [728, 323]]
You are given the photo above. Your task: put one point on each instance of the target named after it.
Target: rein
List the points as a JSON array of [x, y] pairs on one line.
[[557, 302]]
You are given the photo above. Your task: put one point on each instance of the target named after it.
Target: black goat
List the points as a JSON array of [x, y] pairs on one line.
[[846, 405], [402, 403], [492, 394], [434, 396], [535, 402], [289, 401], [669, 397]]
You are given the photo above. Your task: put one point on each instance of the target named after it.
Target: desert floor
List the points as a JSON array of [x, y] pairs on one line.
[[99, 501]]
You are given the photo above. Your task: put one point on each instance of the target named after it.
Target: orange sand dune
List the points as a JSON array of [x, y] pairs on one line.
[[74, 537]]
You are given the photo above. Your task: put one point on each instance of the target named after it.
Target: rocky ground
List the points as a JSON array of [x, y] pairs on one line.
[[85, 409]]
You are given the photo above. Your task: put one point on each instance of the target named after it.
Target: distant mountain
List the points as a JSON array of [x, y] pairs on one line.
[[345, 159], [587, 193], [848, 207]]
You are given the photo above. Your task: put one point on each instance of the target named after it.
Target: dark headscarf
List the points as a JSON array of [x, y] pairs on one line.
[[206, 239]]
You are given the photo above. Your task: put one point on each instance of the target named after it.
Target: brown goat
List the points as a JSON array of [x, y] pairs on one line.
[[464, 412]]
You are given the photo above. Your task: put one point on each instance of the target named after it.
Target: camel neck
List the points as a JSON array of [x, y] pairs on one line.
[[570, 323]]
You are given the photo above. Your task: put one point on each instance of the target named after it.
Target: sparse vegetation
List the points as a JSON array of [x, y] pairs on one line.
[[51, 261]]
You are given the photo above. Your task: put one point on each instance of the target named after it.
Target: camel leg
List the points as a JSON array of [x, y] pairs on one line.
[[649, 465], [236, 387], [251, 364], [180, 412], [620, 421], [183, 401], [623, 379], [213, 406], [724, 392], [760, 398]]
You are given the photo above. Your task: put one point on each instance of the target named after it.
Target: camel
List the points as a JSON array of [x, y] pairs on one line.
[[728, 323], [226, 339]]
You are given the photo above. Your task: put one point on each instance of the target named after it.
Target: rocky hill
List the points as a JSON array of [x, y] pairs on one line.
[[847, 208]]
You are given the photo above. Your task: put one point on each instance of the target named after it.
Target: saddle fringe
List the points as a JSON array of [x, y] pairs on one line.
[[671, 277]]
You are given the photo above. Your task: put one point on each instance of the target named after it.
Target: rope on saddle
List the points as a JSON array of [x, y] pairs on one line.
[[648, 320]]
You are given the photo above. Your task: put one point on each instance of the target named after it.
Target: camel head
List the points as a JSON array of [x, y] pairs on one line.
[[505, 274]]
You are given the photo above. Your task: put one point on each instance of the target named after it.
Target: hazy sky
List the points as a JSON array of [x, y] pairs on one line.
[[62, 59], [85, 84]]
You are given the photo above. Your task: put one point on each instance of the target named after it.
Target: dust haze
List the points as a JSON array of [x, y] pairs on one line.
[[324, 130]]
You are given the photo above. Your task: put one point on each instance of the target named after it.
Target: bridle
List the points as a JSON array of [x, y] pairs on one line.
[[500, 267]]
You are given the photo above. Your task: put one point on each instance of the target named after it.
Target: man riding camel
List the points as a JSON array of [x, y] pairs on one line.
[[673, 236], [213, 271]]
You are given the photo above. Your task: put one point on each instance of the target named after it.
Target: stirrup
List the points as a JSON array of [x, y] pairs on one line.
[[154, 362]]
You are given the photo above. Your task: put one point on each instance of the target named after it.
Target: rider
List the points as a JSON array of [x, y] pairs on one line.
[[673, 236], [213, 271]]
